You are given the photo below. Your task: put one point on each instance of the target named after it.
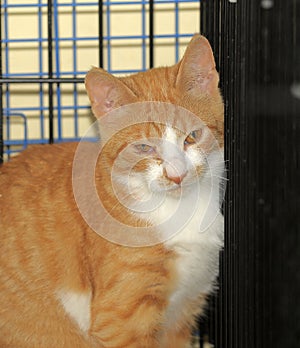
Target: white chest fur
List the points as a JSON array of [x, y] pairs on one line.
[[77, 305], [197, 265], [197, 244]]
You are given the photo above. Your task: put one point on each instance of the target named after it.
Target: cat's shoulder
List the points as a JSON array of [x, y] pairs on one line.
[[44, 156], [37, 162], [44, 151]]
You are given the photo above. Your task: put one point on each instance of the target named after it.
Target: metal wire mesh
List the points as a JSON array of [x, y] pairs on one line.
[[44, 50]]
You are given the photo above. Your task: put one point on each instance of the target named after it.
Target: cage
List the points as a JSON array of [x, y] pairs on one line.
[[48, 46], [46, 49]]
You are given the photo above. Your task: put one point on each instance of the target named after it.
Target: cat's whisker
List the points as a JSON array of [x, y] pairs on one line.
[[220, 177], [220, 162]]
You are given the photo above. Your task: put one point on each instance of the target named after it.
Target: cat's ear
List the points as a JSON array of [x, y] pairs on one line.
[[197, 71], [106, 92]]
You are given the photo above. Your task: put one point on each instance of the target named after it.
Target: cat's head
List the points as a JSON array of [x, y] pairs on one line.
[[155, 147], [161, 132], [192, 83]]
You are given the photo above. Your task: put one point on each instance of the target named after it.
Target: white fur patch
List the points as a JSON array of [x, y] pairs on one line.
[[170, 135], [195, 157], [78, 307], [197, 265]]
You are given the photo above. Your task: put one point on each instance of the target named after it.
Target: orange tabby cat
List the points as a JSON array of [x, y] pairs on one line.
[[132, 269]]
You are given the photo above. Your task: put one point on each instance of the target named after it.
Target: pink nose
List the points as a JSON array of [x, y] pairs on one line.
[[177, 179], [175, 170]]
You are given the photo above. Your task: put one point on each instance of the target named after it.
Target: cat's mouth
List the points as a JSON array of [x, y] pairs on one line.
[[171, 189]]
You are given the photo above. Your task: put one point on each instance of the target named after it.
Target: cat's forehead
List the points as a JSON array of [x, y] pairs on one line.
[[150, 119], [171, 133], [161, 130], [152, 129]]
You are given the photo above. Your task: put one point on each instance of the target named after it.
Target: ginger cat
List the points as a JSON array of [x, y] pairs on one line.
[[117, 245]]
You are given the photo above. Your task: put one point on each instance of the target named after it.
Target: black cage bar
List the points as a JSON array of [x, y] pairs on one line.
[[258, 54]]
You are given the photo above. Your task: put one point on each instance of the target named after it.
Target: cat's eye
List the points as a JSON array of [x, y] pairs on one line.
[[144, 148], [193, 137]]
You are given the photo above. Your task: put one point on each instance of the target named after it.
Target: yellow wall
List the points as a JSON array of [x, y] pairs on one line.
[[125, 54]]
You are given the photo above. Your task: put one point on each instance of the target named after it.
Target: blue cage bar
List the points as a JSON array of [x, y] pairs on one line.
[[52, 77]]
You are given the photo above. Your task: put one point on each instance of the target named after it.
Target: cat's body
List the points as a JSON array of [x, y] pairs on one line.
[[63, 285]]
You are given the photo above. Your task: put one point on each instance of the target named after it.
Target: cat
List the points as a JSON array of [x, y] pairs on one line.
[[140, 275]]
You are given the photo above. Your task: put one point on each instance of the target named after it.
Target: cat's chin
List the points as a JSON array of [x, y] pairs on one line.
[[175, 191]]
